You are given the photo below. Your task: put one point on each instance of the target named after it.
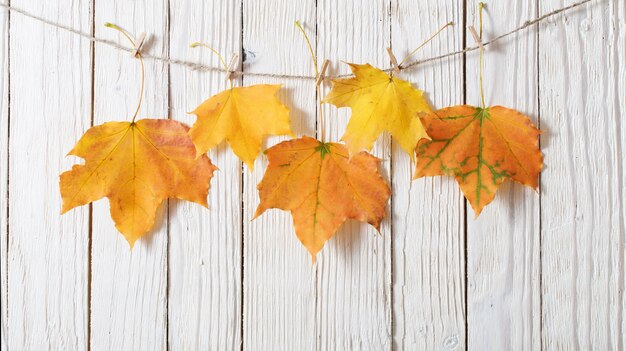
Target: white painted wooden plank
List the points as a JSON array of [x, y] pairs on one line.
[[353, 310], [428, 213], [204, 306], [50, 109], [620, 110], [583, 196], [4, 154], [279, 279], [503, 267], [128, 288]]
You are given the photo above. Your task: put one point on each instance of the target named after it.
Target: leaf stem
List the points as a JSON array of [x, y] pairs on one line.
[[196, 44], [308, 43], [222, 61], [426, 42], [480, 37], [318, 89], [143, 69]]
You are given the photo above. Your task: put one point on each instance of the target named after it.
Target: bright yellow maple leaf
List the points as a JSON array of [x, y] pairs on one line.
[[242, 116], [136, 166], [322, 187], [481, 148], [379, 102]]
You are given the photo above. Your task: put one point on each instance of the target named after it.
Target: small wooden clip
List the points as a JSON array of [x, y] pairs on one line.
[[320, 77], [231, 66], [394, 62], [139, 45], [476, 37]]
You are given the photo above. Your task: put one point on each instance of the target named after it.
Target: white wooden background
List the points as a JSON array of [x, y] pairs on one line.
[[535, 271]]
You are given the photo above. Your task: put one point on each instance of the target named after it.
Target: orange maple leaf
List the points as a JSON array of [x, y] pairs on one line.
[[322, 187], [480, 147], [136, 166], [242, 116]]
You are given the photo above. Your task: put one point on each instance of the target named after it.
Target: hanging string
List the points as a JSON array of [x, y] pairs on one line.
[[201, 67]]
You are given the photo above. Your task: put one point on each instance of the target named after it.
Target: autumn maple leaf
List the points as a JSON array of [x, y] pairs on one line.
[[136, 166], [322, 187], [242, 116], [481, 148], [379, 102]]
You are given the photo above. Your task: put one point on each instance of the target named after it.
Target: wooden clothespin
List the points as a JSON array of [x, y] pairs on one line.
[[231, 66], [139, 45], [394, 62], [320, 77], [477, 38]]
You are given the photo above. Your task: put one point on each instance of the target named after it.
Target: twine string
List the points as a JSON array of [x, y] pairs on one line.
[[202, 67]]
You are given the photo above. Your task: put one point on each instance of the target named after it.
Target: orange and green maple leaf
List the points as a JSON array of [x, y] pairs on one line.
[[481, 148], [322, 187]]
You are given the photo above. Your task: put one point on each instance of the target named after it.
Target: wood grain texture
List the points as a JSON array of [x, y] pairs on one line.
[[581, 60], [128, 288], [4, 154], [619, 16], [503, 243], [279, 280], [353, 309], [50, 109], [428, 222], [204, 291]]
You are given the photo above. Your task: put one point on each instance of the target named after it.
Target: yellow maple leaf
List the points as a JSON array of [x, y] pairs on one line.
[[136, 166], [481, 148], [241, 116], [379, 102], [322, 187]]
